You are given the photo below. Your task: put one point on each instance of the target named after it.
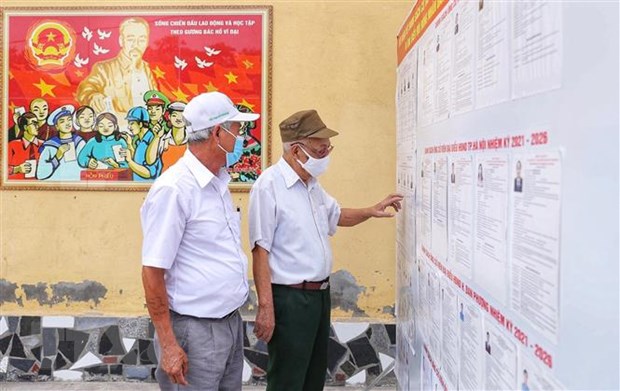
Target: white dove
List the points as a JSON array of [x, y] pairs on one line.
[[87, 34], [212, 52], [80, 61], [104, 34], [99, 50], [179, 63], [202, 63]]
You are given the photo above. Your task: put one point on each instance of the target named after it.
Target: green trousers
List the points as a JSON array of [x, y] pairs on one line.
[[298, 347]]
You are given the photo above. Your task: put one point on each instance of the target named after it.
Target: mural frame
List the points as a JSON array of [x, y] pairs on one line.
[[230, 30]]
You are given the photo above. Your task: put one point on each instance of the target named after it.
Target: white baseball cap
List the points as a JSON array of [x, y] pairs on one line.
[[212, 108]]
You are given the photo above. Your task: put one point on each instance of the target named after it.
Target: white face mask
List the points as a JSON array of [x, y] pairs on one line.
[[313, 166]]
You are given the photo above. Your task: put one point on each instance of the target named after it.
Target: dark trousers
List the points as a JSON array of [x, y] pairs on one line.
[[298, 348]]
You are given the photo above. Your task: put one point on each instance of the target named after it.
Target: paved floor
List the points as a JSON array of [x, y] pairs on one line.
[[126, 386]]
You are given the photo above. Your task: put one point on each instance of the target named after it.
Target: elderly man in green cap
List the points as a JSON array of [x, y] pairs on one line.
[[291, 219]]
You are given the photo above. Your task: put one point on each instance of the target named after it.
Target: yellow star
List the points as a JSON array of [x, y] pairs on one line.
[[232, 78], [46, 89], [180, 95], [159, 73], [11, 75], [247, 64], [79, 73], [50, 37], [247, 104], [12, 107], [210, 87]]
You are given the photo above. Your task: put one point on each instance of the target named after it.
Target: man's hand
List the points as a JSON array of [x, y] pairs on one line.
[[111, 162], [129, 152], [265, 317], [24, 168], [265, 323], [61, 151], [158, 130], [92, 163], [350, 217], [97, 102], [173, 358], [174, 363], [393, 200]]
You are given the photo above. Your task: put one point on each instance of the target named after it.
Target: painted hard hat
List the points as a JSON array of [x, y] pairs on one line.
[[137, 113]]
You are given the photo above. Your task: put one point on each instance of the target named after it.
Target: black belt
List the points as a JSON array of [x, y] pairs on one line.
[[200, 318], [309, 285]]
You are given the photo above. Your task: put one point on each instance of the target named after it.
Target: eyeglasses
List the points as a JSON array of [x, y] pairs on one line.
[[324, 151], [240, 132]]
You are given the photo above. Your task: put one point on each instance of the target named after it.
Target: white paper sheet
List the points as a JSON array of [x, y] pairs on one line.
[[405, 359], [101, 165], [424, 283], [464, 49], [461, 214], [426, 78], [471, 353], [426, 180], [536, 47], [33, 169], [427, 373], [500, 354], [434, 303], [532, 376], [440, 208], [70, 155], [450, 334], [490, 269], [493, 56], [535, 239], [443, 67], [117, 153]]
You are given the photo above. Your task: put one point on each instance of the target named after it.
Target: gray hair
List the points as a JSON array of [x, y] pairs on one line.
[[134, 20], [286, 147], [196, 136]]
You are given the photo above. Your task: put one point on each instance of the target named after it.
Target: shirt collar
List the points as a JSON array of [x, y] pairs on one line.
[[290, 176], [126, 63], [37, 142], [202, 173]]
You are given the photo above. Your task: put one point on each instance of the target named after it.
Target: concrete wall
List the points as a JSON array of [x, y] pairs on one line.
[[69, 252]]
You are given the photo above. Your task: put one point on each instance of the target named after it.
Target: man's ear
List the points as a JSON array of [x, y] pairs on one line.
[[294, 149]]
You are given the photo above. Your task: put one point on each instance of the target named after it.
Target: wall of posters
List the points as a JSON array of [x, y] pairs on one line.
[[94, 96], [515, 194]]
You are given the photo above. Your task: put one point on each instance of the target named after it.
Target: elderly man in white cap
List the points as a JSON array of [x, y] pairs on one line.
[[194, 269]]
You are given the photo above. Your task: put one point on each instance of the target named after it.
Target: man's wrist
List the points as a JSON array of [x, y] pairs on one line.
[[167, 339]]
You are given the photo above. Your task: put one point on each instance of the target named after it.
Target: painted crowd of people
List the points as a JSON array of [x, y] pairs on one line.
[[60, 145]]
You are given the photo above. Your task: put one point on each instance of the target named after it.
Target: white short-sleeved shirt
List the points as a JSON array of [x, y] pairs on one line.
[[292, 222], [191, 230]]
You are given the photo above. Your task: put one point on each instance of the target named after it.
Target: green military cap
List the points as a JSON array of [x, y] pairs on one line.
[[304, 124], [154, 97]]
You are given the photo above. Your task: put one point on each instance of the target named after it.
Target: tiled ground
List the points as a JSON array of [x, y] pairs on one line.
[[115, 349], [133, 386]]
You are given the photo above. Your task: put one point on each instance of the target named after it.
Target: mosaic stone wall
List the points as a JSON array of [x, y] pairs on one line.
[[111, 349]]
